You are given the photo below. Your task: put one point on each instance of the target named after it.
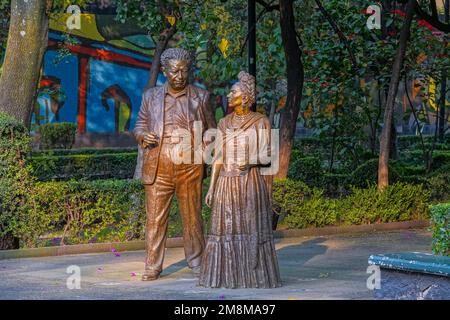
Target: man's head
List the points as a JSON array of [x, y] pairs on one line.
[[176, 64]]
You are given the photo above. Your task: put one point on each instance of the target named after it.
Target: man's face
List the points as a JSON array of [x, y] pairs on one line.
[[177, 73]]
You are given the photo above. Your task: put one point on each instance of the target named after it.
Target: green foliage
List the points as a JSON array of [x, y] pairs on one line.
[[440, 158], [308, 207], [83, 151], [439, 184], [440, 225], [74, 212], [367, 174], [82, 212], [303, 206], [286, 190], [398, 202], [307, 169], [4, 27], [57, 135], [85, 166], [16, 181], [411, 142]]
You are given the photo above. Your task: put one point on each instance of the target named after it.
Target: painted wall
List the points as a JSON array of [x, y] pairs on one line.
[[96, 80]]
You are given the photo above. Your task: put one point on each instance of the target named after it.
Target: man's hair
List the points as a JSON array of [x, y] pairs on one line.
[[175, 54]]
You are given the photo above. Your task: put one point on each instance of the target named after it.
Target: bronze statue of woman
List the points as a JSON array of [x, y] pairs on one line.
[[240, 251]]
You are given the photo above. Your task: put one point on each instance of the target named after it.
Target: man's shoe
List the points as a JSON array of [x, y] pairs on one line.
[[150, 276]]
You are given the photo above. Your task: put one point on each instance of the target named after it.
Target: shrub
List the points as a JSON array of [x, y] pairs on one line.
[[57, 135], [316, 211], [335, 184], [84, 211], [302, 205], [16, 181], [367, 174], [307, 169], [82, 151], [312, 145], [414, 142], [73, 212], [439, 184], [440, 225], [415, 157], [397, 202], [306, 207], [288, 192], [85, 166]]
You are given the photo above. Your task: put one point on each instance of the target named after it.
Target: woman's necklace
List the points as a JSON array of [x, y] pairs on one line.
[[242, 117]]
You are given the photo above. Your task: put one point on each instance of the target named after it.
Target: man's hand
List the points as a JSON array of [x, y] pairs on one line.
[[246, 166], [150, 138]]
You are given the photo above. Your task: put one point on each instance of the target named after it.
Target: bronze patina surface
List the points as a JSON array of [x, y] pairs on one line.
[[240, 251], [176, 105]]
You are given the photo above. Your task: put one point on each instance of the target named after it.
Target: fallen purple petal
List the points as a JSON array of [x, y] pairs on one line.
[[133, 274]]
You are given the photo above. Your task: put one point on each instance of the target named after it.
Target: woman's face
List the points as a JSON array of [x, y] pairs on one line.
[[235, 96]]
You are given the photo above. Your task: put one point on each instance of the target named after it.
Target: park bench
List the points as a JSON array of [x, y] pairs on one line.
[[412, 276]]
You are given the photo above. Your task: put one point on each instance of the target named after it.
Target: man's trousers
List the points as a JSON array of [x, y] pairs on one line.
[[185, 181]]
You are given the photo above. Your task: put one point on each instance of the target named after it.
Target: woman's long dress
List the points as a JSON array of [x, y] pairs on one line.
[[240, 251]]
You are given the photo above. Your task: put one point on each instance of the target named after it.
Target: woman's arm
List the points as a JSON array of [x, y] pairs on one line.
[[215, 171]]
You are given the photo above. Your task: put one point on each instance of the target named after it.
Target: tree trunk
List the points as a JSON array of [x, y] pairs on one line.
[[161, 45], [441, 122], [385, 139], [295, 76], [27, 42]]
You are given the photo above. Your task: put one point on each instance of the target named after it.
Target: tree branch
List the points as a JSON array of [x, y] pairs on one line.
[[336, 29], [267, 8]]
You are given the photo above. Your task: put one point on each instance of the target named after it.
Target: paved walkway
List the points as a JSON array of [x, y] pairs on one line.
[[332, 267]]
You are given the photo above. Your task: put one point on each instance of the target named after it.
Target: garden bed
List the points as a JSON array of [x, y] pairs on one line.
[[178, 241]]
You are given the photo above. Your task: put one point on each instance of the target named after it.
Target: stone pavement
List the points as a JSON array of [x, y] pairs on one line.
[[331, 267]]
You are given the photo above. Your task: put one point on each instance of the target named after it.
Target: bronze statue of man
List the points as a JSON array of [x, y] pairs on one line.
[[167, 109]]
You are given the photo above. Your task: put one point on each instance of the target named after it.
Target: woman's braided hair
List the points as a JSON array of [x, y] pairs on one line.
[[247, 83]]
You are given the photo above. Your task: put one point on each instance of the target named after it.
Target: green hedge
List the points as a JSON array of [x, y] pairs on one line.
[[413, 141], [57, 135], [73, 212], [82, 151], [303, 206], [440, 226], [308, 207], [85, 166], [308, 169], [16, 180], [398, 202], [415, 157]]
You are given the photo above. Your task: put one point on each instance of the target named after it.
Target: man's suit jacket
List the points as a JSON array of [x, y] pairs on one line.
[[151, 119]]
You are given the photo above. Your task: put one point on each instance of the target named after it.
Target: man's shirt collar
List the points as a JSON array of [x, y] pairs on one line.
[[175, 95]]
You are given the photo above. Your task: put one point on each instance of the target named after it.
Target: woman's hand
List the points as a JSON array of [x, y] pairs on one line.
[[209, 197]]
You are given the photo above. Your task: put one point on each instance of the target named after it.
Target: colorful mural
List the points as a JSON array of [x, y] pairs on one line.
[[98, 78]]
